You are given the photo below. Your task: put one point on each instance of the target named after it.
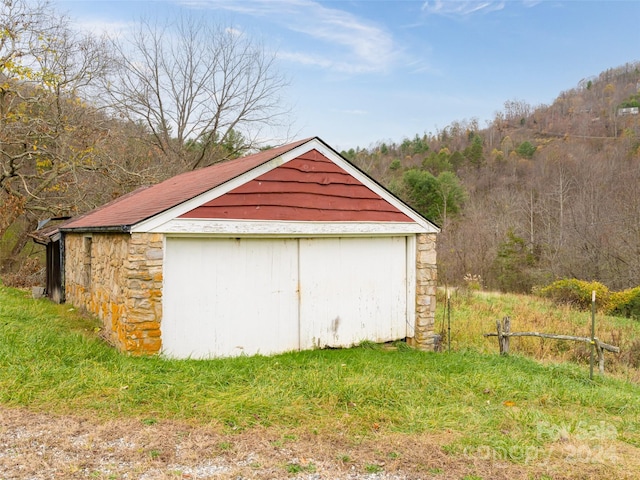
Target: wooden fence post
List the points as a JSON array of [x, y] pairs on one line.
[[600, 359], [504, 329]]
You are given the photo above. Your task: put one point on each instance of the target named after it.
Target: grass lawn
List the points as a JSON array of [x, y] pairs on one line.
[[487, 407]]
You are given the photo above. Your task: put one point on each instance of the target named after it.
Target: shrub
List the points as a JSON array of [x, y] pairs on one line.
[[526, 149], [395, 165], [625, 303], [577, 293], [473, 282], [29, 274]]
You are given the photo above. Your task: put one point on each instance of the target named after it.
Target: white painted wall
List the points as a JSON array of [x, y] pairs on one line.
[[227, 297]]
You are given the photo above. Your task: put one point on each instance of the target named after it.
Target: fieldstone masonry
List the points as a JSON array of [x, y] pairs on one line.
[[426, 283], [118, 277]]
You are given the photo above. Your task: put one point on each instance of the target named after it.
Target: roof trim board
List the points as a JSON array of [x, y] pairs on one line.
[[187, 226]]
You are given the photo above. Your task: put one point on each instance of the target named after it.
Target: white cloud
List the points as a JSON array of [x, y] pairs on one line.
[[344, 42], [114, 29], [305, 59], [460, 7], [234, 31]]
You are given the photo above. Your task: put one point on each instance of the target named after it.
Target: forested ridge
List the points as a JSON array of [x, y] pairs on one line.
[[536, 194]]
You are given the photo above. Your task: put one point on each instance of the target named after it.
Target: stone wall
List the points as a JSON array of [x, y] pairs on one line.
[[140, 333], [426, 283], [118, 277]]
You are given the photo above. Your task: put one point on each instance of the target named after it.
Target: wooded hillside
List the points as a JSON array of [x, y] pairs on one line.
[[539, 193]]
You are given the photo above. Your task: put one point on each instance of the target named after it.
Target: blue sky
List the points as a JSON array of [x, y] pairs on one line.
[[364, 72]]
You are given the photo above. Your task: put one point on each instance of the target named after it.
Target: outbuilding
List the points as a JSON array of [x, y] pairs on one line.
[[291, 248]]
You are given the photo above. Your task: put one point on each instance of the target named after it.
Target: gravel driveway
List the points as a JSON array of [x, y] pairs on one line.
[[38, 446]]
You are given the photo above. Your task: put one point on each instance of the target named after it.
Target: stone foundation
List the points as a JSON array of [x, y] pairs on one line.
[[118, 277], [426, 283]]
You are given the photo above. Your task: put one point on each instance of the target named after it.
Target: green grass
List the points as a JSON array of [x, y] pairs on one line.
[[52, 360]]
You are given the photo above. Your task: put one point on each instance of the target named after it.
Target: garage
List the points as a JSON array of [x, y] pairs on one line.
[[282, 294], [290, 248]]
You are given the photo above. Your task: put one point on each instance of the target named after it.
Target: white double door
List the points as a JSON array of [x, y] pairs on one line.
[[227, 297]]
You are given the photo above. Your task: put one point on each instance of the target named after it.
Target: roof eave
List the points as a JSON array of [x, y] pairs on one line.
[[103, 229]]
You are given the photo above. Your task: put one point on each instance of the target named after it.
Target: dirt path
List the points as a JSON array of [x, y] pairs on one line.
[[42, 446]]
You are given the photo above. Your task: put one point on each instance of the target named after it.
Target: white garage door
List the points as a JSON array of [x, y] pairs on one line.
[[352, 290], [227, 297]]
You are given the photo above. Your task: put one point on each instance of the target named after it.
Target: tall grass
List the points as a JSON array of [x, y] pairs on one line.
[[475, 313], [52, 359]]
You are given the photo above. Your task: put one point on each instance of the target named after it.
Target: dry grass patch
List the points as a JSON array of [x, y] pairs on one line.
[[44, 446], [475, 313]]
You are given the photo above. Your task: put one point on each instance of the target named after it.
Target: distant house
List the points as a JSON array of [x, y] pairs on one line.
[[288, 249], [628, 111]]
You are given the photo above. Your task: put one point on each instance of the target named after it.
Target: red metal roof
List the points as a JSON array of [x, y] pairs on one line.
[[147, 202]]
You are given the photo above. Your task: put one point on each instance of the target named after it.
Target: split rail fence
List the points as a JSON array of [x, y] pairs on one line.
[[504, 333]]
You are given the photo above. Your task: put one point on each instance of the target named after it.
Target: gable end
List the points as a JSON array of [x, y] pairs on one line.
[[308, 188]]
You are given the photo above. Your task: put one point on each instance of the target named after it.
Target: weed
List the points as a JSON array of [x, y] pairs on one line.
[[368, 344], [224, 446], [372, 468], [295, 467], [401, 345], [286, 438], [451, 449]]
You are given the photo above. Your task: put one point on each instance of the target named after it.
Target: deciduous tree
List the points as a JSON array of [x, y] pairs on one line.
[[197, 82], [48, 135]]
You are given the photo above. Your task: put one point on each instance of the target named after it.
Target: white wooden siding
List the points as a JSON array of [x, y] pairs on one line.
[[227, 297]]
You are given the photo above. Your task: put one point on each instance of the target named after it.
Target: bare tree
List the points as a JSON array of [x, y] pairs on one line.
[[48, 135], [205, 92]]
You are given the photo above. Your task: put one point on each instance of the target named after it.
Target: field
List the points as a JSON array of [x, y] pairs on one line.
[[72, 407]]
